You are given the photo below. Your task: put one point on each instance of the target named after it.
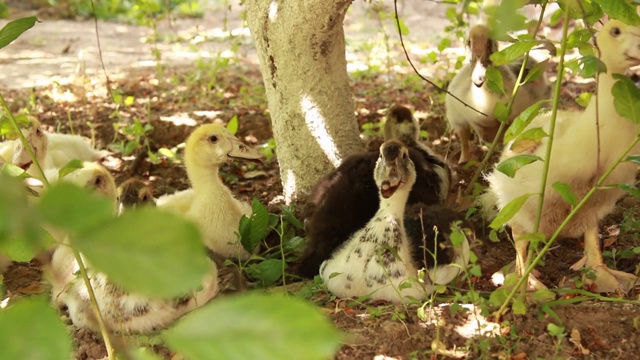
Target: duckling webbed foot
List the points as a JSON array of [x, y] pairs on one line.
[[601, 278]]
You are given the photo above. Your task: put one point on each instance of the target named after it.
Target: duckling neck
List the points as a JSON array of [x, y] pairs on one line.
[[396, 204], [203, 178]]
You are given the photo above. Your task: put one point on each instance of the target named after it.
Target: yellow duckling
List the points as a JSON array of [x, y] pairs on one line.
[[209, 202]]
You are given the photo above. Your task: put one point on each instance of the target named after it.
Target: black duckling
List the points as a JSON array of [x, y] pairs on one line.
[[134, 192], [378, 259], [345, 199]]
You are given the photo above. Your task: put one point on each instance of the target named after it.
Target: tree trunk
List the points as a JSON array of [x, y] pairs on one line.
[[301, 48]]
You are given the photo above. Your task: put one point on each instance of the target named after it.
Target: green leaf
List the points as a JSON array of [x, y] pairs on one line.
[[519, 307], [152, 252], [626, 98], [510, 166], [621, 10], [254, 230], [267, 271], [536, 71], [404, 29], [15, 28], [501, 111], [495, 81], [255, 326], [509, 211], [543, 295], [528, 141], [73, 209], [522, 121], [14, 171], [31, 329], [584, 99], [498, 296], [533, 237], [590, 65], [21, 236], [513, 52], [631, 189], [565, 191], [232, 125], [580, 9], [555, 330], [70, 167], [287, 212], [633, 158]]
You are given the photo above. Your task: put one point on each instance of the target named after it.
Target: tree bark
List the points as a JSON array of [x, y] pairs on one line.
[[301, 48]]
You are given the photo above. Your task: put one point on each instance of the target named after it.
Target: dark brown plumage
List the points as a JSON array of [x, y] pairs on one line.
[[344, 200]]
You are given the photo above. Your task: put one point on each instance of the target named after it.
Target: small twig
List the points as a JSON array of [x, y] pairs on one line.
[[104, 69], [406, 53]]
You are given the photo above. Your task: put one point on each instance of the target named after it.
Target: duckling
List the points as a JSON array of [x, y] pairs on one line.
[[469, 84], [581, 153], [52, 150], [402, 125], [379, 258], [122, 311], [209, 202], [344, 200], [134, 192]]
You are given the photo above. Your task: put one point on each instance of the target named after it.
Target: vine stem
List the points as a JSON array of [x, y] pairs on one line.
[[76, 254], [94, 305], [556, 234], [503, 124]]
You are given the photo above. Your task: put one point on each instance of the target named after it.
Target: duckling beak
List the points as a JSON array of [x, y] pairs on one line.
[[479, 74], [392, 179], [240, 150]]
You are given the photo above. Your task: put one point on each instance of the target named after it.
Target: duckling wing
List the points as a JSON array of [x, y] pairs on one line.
[[63, 148], [340, 204], [179, 202], [428, 230]]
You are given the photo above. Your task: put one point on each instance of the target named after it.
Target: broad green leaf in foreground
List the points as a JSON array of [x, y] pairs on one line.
[[510, 166], [148, 251], [254, 326], [21, 237], [74, 209], [15, 28], [626, 98], [31, 329], [509, 211]]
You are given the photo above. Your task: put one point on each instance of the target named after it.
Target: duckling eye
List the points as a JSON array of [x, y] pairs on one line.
[[615, 31], [38, 132], [213, 139], [98, 181]]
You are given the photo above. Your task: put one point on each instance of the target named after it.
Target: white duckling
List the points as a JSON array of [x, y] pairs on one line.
[[122, 311], [379, 258], [581, 153], [470, 85], [209, 202], [52, 150]]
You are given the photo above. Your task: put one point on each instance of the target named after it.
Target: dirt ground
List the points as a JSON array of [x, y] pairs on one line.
[[603, 328]]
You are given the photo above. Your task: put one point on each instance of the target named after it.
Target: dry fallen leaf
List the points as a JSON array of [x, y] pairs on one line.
[[577, 341]]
